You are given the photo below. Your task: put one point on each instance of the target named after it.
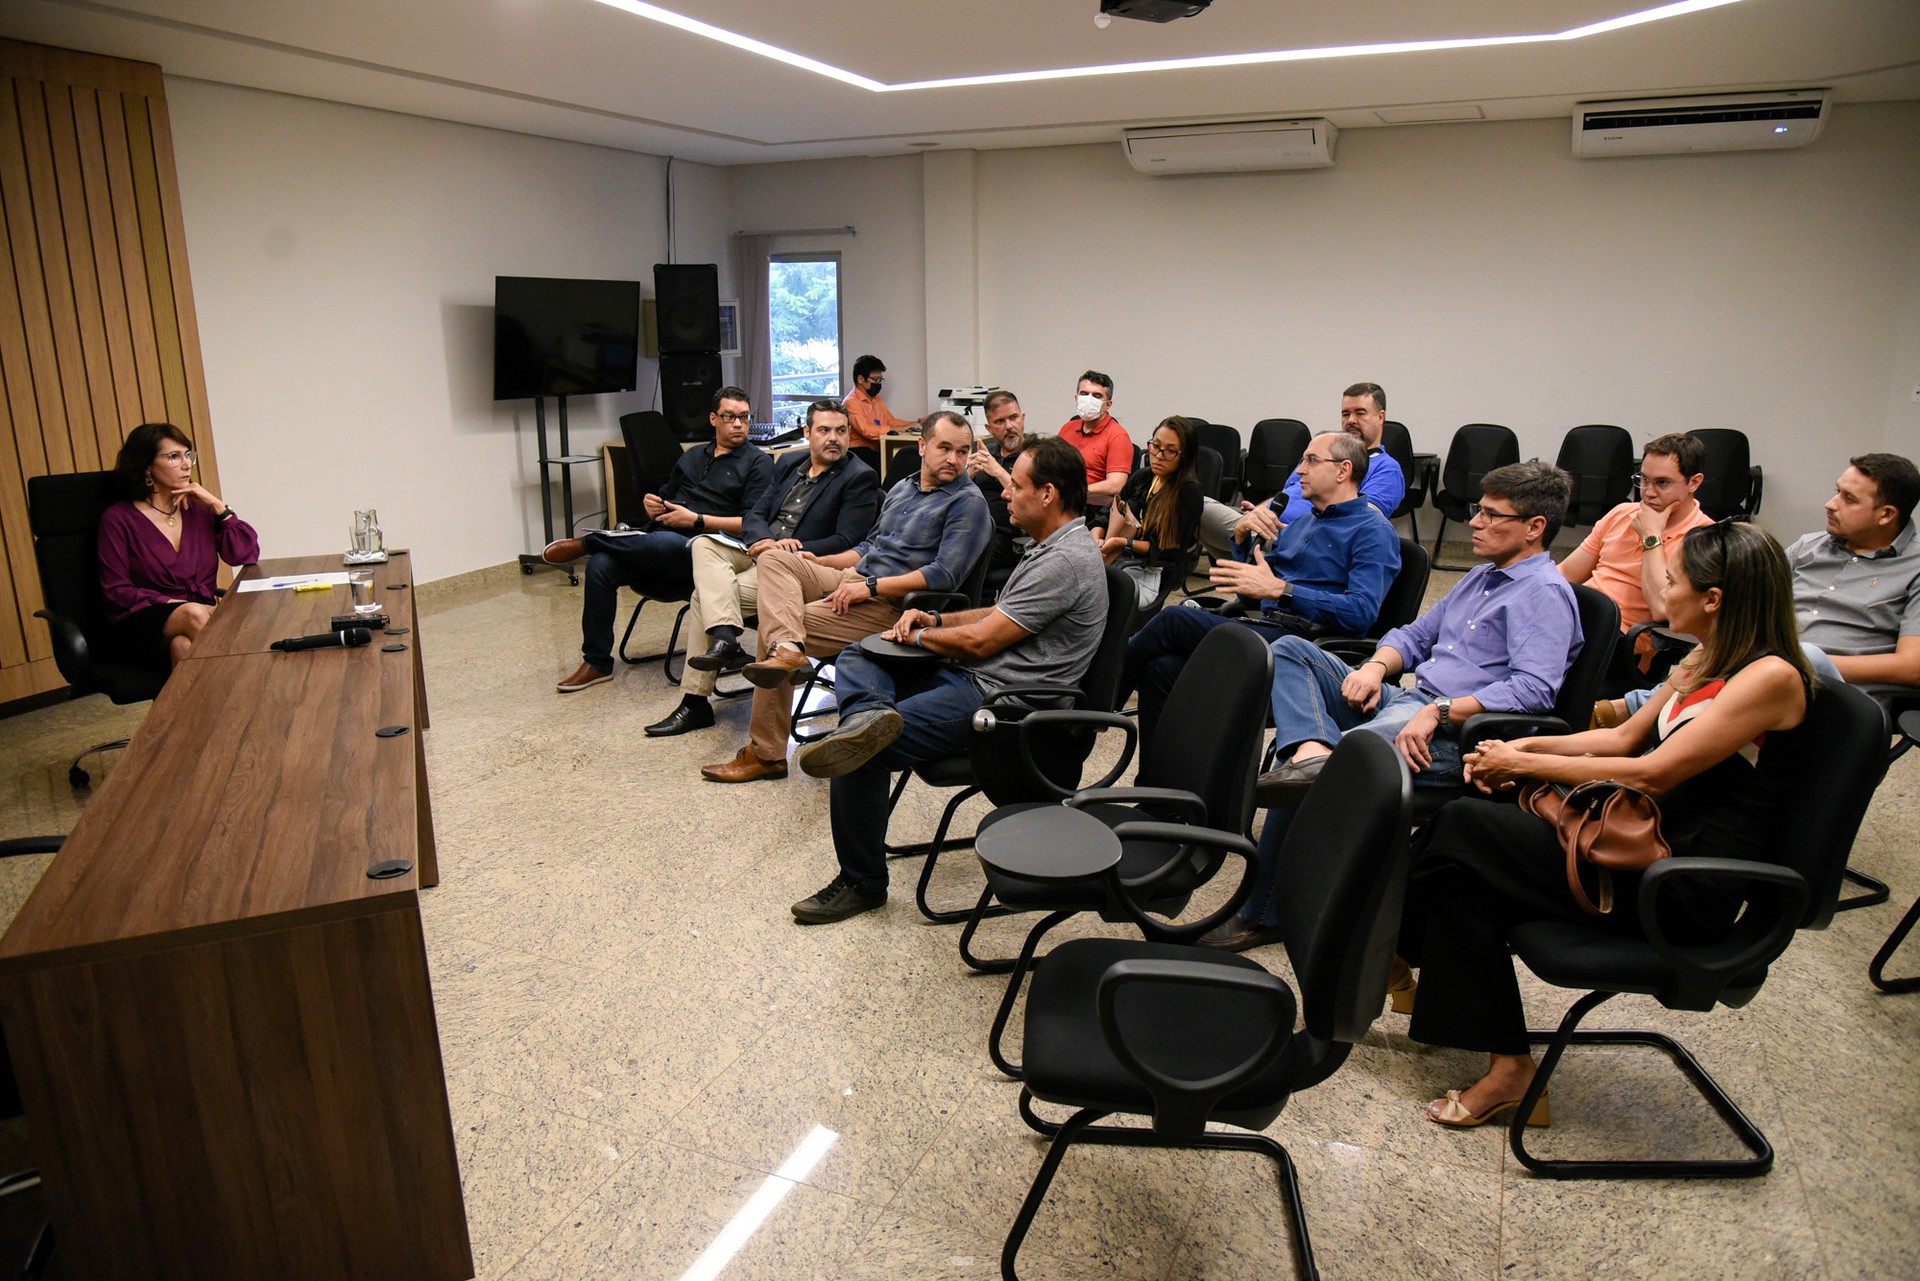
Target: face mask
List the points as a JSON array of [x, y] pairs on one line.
[[1089, 407], [874, 390]]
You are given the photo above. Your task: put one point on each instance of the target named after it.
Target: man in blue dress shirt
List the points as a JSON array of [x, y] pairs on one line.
[[1500, 641], [1327, 570]]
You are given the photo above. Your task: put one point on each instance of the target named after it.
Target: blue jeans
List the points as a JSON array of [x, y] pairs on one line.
[[1158, 653], [937, 701], [657, 564], [1307, 707]]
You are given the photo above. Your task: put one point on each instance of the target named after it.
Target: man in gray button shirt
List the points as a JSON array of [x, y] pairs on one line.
[[1043, 629], [1856, 587]]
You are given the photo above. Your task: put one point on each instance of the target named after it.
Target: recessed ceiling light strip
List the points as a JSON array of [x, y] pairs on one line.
[[657, 14]]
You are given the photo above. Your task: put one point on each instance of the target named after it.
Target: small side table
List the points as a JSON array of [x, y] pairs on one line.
[[1052, 843]]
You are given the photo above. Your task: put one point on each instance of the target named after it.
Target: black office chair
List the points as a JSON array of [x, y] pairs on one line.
[[905, 465], [1397, 441], [1601, 461], [41, 1251], [1400, 606], [1272, 455], [995, 763], [1224, 441], [1210, 467], [1477, 449], [1790, 884], [653, 451], [1189, 1037], [1200, 770], [1908, 723], [63, 513], [1732, 484]]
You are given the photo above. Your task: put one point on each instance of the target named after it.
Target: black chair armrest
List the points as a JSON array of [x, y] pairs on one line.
[[984, 722], [1181, 1106], [1702, 970], [1353, 650], [1184, 837], [1169, 796], [1509, 725], [930, 600], [70, 652], [1757, 483], [1015, 693]]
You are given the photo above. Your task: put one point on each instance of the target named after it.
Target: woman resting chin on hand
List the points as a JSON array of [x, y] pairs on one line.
[[161, 546]]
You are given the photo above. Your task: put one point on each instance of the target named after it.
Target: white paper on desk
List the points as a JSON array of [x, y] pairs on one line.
[[289, 581]]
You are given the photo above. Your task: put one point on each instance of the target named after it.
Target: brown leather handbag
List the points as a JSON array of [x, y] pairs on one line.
[[1605, 825]]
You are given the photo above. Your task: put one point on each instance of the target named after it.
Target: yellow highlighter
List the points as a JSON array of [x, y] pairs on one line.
[[314, 587]]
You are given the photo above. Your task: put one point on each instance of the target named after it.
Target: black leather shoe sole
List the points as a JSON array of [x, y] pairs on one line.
[[681, 720]]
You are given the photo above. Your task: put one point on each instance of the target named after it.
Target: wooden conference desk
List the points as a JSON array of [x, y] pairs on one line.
[[222, 1027]]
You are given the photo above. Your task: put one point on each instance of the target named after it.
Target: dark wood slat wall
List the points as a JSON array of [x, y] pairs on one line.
[[97, 329]]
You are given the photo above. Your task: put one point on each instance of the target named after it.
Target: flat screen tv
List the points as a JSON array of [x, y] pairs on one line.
[[554, 337]]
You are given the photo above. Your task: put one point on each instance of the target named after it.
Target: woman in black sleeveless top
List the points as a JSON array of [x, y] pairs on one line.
[[1698, 746]]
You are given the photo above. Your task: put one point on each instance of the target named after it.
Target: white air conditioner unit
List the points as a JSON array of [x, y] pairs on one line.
[[1720, 122], [1226, 148]]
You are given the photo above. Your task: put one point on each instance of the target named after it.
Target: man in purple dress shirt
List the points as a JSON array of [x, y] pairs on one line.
[[1500, 641]]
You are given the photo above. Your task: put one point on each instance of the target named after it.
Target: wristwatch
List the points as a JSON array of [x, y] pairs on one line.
[[699, 523], [873, 585], [228, 514], [1446, 711], [1650, 542]]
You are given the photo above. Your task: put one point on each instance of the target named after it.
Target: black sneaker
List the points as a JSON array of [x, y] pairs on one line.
[[841, 899], [861, 737]]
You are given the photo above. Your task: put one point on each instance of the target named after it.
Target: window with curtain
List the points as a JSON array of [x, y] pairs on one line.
[[803, 315]]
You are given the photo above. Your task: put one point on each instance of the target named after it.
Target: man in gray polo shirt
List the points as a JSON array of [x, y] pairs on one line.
[[1856, 586], [1043, 629]]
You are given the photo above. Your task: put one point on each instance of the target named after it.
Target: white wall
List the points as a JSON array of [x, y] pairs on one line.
[[1479, 272], [343, 263], [882, 287]]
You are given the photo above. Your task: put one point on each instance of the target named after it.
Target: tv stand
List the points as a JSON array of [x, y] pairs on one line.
[[566, 462]]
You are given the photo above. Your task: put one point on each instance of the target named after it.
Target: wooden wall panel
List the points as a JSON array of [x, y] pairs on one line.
[[97, 328]]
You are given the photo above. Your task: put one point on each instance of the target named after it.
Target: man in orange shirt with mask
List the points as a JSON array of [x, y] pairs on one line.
[[868, 415]]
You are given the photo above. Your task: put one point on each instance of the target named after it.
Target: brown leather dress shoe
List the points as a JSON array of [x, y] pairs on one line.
[[745, 767], [563, 551], [785, 666]]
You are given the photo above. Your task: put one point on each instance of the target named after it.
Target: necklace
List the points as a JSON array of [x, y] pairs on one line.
[[168, 514]]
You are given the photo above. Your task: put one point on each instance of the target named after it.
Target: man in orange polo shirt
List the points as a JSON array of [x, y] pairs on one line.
[[868, 415], [1625, 555], [1101, 440]]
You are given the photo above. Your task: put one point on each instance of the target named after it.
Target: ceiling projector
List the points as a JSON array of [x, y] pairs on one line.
[[1152, 10]]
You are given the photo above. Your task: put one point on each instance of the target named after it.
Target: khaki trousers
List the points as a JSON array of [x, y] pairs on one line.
[[725, 583], [793, 609]]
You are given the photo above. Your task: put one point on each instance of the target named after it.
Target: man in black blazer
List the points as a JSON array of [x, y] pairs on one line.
[[820, 502]]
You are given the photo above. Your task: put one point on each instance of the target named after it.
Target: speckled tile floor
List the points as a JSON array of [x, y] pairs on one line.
[[636, 1036]]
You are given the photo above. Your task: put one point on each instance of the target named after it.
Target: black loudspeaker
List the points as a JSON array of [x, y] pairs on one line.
[[687, 383], [687, 306]]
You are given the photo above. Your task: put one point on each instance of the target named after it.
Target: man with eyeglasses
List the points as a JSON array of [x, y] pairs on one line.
[[868, 415], [1328, 569], [1363, 415], [822, 501], [1500, 641], [991, 466], [711, 489], [1625, 555]]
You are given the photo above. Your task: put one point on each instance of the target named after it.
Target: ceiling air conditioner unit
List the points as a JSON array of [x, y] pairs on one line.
[[1721, 122], [1248, 145]]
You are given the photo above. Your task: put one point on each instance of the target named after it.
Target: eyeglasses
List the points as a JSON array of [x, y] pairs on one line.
[[735, 419], [176, 455], [1159, 450], [1314, 460], [1476, 511], [1662, 483]]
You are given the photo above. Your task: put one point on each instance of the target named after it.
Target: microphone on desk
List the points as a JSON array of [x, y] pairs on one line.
[[351, 637]]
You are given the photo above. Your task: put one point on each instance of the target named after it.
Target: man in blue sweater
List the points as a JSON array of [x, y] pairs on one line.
[[1327, 570]]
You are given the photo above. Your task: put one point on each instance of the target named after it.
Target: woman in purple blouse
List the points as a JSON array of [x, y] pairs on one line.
[[159, 549]]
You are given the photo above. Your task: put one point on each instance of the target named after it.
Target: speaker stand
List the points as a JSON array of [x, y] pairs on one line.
[[566, 462]]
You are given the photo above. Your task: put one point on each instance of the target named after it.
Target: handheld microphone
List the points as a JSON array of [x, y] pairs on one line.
[[350, 637]]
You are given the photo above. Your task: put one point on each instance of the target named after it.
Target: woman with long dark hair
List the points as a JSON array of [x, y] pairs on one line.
[[1697, 746], [1158, 512], [161, 546]]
